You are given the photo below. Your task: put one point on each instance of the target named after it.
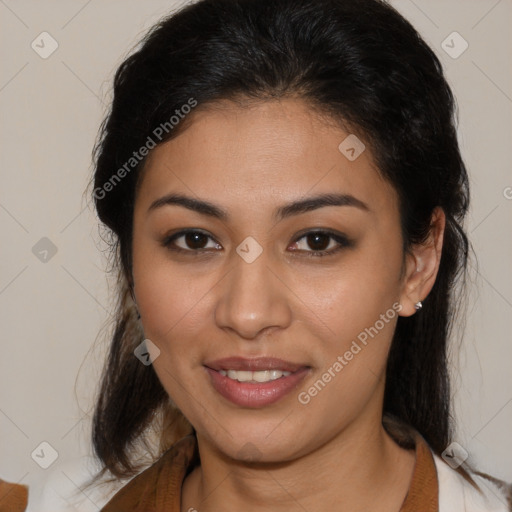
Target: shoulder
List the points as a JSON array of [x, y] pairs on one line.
[[13, 497], [159, 486], [65, 487], [456, 493]]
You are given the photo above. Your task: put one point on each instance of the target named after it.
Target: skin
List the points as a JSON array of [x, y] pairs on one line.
[[332, 453]]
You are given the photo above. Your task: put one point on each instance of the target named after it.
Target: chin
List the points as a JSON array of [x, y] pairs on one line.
[[253, 441]]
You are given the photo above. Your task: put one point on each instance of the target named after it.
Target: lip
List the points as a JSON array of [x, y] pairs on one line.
[[260, 394]]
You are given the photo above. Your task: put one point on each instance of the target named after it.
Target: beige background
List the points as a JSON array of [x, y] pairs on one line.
[[51, 312]]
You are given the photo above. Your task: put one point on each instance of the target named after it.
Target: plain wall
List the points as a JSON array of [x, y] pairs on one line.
[[51, 312]]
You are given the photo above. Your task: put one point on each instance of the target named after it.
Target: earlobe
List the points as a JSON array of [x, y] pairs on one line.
[[422, 265]]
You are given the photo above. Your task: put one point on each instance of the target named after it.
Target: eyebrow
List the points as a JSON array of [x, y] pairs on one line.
[[282, 212]]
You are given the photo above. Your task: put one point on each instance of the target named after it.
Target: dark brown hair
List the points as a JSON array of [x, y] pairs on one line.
[[367, 67]]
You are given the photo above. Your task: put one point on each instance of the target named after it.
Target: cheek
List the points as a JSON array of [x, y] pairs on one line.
[[173, 316], [168, 298], [353, 295], [167, 304], [356, 310], [353, 360]]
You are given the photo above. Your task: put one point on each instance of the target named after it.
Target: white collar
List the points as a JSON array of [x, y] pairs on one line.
[[456, 494]]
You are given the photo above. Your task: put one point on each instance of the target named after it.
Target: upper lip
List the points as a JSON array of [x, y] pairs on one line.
[[254, 364]]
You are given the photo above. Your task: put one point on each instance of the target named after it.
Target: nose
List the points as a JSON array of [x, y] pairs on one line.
[[253, 297]]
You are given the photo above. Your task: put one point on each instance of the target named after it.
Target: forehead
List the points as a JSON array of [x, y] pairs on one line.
[[262, 152]]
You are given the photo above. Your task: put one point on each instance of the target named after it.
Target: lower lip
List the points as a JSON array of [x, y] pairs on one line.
[[255, 395]]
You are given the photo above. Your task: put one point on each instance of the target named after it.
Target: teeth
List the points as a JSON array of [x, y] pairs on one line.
[[248, 376]]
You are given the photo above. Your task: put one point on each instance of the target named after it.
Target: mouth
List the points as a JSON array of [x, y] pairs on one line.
[[254, 377], [255, 383]]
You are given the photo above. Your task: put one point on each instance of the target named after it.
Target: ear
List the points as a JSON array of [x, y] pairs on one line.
[[422, 265]]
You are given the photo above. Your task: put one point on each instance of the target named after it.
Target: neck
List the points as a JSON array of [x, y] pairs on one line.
[[358, 469]]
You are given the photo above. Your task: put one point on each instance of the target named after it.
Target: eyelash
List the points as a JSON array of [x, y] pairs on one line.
[[343, 242]]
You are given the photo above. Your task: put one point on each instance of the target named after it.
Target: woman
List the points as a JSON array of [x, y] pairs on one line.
[[286, 194]]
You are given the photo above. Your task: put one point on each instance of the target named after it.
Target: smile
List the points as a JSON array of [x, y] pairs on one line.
[[255, 383], [254, 377]]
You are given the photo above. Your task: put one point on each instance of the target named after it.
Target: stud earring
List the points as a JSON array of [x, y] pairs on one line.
[[418, 305]]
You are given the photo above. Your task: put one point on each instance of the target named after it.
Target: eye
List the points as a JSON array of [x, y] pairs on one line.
[[191, 241], [322, 243]]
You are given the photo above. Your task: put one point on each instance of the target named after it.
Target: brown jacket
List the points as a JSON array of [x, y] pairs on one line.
[[13, 497]]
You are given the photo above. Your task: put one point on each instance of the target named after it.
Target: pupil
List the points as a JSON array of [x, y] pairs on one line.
[[313, 241], [193, 240]]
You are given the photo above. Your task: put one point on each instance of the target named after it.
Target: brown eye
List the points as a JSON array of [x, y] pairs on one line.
[[194, 240], [318, 241], [190, 241], [321, 243]]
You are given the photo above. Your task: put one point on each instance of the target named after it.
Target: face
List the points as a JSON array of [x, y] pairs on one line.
[[274, 304]]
